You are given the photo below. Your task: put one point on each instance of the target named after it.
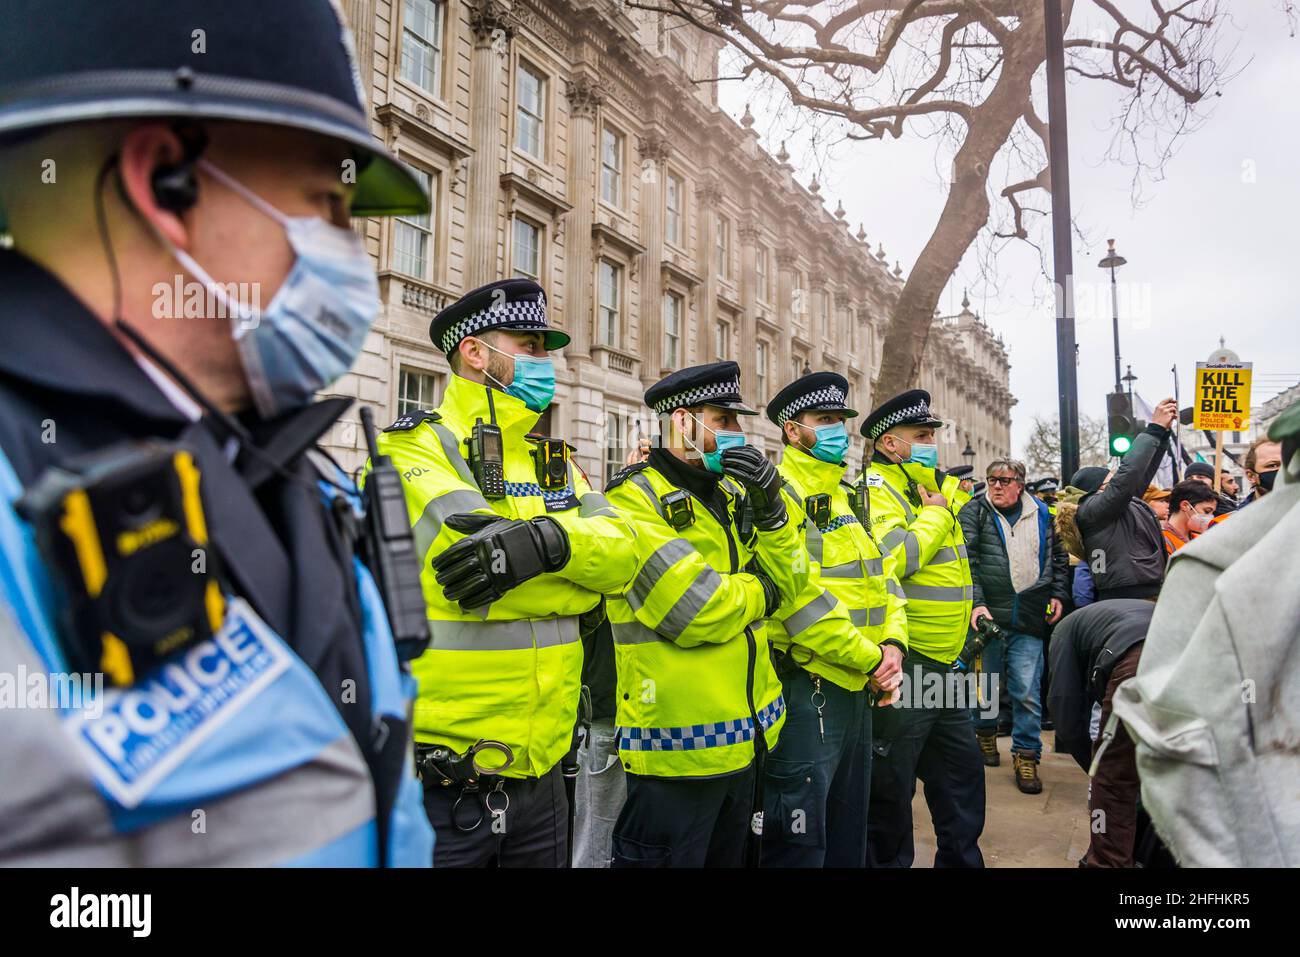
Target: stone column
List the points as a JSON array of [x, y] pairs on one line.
[[786, 257], [492, 28], [748, 332], [708, 198], [584, 96], [361, 18], [654, 149]]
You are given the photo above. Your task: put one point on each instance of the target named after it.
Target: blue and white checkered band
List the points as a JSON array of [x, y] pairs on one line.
[[915, 413], [700, 395], [827, 396], [523, 315]]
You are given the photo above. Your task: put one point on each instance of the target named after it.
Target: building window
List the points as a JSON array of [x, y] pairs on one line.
[[761, 273], [422, 43], [724, 247], [617, 429], [760, 371], [611, 166], [672, 330], [530, 111], [611, 279], [678, 54], [527, 251], [413, 236], [416, 390], [673, 192], [722, 340]]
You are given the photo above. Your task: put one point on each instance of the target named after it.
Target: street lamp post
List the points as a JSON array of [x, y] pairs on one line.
[[1112, 262], [968, 453]]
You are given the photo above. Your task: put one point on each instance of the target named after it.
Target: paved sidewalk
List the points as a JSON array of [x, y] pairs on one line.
[[1023, 830]]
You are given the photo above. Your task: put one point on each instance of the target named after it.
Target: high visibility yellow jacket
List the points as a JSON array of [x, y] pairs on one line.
[[846, 562], [690, 646], [930, 551], [512, 675]]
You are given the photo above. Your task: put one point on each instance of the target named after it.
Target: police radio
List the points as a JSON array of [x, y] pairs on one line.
[[818, 508], [389, 550], [860, 505], [551, 461], [124, 535]]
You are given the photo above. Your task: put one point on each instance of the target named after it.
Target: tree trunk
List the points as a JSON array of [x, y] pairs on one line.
[[964, 214]]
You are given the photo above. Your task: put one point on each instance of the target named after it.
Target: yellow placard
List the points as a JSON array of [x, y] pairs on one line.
[[1222, 401]]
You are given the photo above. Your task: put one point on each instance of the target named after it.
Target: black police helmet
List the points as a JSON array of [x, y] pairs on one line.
[[286, 63]]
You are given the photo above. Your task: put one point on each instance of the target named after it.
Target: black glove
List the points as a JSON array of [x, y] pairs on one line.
[[496, 555], [771, 594], [751, 468]]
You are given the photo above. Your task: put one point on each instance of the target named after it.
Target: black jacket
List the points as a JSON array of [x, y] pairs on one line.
[[63, 376], [990, 568], [1085, 648], [1124, 548]]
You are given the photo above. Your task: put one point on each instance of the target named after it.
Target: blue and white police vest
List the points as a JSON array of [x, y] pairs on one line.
[[228, 753]]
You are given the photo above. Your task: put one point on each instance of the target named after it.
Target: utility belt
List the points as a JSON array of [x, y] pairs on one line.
[[440, 766], [788, 663]]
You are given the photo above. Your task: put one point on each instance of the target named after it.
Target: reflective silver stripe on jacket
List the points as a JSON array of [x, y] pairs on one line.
[[656, 566], [907, 506], [863, 617], [436, 511], [810, 614], [634, 633], [451, 449], [948, 554], [689, 606], [937, 592], [643, 483], [911, 548], [502, 635], [894, 588], [596, 505], [813, 541], [859, 568]]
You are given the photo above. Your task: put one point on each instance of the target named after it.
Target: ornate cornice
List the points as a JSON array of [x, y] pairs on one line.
[[488, 17], [584, 94]]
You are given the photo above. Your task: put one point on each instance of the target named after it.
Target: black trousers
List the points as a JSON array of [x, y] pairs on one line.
[[684, 822], [525, 824], [935, 743], [818, 779]]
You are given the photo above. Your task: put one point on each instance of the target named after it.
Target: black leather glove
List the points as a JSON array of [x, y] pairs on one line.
[[496, 555], [771, 594], [751, 468]]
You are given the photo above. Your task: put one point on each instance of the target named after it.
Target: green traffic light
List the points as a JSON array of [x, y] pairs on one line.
[[1121, 444]]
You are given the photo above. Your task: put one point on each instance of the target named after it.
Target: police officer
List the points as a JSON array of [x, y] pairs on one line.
[[249, 668], [818, 780], [515, 547], [718, 551], [914, 508], [963, 475]]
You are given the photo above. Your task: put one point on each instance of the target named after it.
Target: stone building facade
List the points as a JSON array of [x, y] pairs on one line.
[[580, 142]]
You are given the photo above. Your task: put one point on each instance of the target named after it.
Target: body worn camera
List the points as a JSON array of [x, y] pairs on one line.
[[679, 509], [125, 537], [551, 461], [487, 459], [818, 508]]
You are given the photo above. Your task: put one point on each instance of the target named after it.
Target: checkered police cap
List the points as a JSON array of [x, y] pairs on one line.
[[700, 395], [909, 408], [716, 384], [518, 305], [820, 397]]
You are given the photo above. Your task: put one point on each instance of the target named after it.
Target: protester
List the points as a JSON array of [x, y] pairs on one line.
[[1158, 499], [1203, 472], [1093, 652], [1020, 577], [1191, 510], [1262, 461], [1110, 527]]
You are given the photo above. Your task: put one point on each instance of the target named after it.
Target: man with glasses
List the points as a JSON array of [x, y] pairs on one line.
[[1021, 580]]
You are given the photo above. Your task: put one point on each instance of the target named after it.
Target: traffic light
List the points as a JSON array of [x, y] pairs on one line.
[[1121, 424]]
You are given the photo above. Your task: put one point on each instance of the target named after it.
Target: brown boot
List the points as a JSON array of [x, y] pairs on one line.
[[1026, 770], [989, 749]]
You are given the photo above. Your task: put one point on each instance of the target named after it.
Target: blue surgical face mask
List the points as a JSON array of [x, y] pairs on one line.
[[534, 381], [832, 442], [923, 455], [316, 323], [726, 440]]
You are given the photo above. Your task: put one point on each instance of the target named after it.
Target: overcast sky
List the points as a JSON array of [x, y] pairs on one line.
[[1212, 251]]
